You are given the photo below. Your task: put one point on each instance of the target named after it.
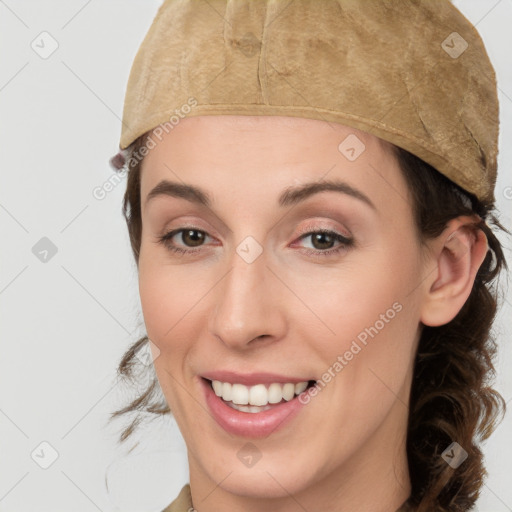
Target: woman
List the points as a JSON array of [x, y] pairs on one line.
[[309, 197]]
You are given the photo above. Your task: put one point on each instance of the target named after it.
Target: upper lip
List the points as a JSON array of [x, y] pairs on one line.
[[251, 379]]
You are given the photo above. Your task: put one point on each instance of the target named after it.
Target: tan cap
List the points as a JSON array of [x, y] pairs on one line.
[[412, 72]]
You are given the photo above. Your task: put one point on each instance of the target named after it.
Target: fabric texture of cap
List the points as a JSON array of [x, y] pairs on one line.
[[412, 72]]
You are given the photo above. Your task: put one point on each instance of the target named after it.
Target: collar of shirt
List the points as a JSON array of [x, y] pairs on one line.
[[183, 503]]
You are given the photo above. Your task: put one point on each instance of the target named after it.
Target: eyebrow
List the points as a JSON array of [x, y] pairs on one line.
[[173, 189], [291, 196]]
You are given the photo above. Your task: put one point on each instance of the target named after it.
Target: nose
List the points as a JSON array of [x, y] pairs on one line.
[[248, 305]]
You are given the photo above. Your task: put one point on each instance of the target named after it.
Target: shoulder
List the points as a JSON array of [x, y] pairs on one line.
[[183, 502]]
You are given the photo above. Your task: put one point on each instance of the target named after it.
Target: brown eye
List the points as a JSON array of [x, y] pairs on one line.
[[322, 240], [178, 240], [325, 239], [325, 242], [192, 237]]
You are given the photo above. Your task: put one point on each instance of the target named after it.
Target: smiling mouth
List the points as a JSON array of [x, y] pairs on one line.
[[257, 398]]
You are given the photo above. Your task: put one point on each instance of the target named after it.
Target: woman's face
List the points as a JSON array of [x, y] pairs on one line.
[[261, 298]]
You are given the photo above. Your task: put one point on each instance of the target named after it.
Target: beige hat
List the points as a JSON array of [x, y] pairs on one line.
[[412, 72]]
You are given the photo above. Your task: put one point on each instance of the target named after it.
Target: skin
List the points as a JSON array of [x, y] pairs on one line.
[[290, 312]]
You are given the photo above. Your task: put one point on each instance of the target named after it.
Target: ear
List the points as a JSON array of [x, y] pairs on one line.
[[457, 255]]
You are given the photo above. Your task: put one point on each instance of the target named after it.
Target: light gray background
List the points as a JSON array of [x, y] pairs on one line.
[[65, 323]]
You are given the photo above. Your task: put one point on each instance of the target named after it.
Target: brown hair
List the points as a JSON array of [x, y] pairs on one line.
[[451, 398]]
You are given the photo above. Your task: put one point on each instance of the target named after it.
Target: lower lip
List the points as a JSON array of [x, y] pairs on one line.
[[247, 424]]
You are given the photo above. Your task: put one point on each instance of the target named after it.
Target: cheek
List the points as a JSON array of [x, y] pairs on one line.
[[363, 293], [163, 298], [370, 320], [167, 293], [159, 304], [165, 306], [167, 300]]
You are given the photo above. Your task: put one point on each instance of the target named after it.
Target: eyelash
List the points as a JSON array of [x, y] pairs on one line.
[[345, 243]]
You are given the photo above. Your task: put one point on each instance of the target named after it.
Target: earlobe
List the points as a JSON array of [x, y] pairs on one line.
[[460, 253]]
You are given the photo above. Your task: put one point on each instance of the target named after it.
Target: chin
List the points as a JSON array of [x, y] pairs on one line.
[[265, 479], [259, 484]]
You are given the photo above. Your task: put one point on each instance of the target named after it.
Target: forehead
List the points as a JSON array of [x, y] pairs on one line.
[[254, 124], [243, 152], [276, 133]]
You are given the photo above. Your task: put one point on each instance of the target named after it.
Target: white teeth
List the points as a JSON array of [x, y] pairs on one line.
[[249, 408], [240, 394], [275, 393], [226, 391], [288, 391], [300, 387], [243, 397], [217, 387], [258, 395]]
